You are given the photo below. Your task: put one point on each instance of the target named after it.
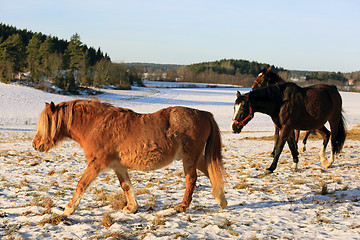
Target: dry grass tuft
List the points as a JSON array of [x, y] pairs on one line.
[[54, 219], [158, 221], [324, 189], [242, 184], [107, 220], [117, 201]]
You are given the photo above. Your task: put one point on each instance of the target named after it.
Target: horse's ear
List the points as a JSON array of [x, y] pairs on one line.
[[269, 69], [238, 94]]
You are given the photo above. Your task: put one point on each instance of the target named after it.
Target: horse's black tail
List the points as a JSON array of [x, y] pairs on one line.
[[339, 139]]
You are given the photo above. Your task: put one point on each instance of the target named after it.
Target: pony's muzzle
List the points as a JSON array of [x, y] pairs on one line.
[[40, 148]]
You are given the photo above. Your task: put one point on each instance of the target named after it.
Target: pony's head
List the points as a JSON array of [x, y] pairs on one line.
[[49, 128], [242, 112]]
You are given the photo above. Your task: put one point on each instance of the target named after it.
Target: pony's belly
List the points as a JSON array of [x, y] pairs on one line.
[[150, 160]]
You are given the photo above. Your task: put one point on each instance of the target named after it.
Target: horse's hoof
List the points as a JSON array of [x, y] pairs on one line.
[[267, 172], [325, 163]]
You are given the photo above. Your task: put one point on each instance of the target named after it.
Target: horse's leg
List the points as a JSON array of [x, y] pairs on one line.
[[294, 151], [303, 147], [190, 181], [93, 169], [125, 183], [284, 135], [276, 139], [325, 133], [297, 136]]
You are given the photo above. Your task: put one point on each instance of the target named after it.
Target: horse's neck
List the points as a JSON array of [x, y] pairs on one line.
[[266, 106], [275, 79]]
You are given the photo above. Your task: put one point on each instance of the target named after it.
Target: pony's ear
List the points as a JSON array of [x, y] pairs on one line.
[[238, 94], [269, 69], [51, 106]]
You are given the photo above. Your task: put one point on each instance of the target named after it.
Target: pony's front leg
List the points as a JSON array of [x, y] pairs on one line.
[[92, 171], [125, 183], [190, 180]]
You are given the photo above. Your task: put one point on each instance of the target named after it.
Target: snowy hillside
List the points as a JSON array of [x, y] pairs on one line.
[[310, 204]]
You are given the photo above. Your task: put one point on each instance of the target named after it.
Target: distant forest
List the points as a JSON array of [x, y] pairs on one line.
[[35, 58], [241, 72]]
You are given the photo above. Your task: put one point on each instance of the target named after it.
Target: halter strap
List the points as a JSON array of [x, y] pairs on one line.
[[245, 120], [257, 83]]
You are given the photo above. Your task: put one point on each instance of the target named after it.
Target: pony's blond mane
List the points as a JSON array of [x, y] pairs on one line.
[[51, 121]]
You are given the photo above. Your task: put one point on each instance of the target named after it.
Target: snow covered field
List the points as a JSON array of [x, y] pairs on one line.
[[310, 204]]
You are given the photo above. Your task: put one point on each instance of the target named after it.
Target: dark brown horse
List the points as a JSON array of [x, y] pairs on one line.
[[292, 107], [266, 78], [121, 139]]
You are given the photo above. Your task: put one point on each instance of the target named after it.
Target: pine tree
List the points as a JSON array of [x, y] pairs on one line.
[[75, 53], [33, 57], [12, 51], [46, 48]]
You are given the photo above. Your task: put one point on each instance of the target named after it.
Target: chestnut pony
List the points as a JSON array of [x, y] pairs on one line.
[[121, 139], [266, 78], [293, 107]]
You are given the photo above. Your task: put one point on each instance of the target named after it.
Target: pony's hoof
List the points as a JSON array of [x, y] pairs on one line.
[[328, 166], [129, 209], [181, 207], [68, 211], [223, 203], [267, 172]]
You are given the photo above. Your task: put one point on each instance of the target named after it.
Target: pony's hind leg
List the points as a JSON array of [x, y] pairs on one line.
[[190, 181], [92, 171], [128, 189]]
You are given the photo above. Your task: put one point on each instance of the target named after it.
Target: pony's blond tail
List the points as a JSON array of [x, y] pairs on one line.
[[214, 163]]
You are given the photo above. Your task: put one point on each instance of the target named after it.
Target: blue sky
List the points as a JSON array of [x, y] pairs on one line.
[[303, 35]]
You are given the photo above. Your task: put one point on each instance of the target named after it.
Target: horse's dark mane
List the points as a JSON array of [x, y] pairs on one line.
[[270, 93], [276, 79]]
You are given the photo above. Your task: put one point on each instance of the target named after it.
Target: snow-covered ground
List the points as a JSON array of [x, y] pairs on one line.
[[310, 204]]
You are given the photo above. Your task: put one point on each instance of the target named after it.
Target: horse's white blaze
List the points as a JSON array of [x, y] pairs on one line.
[[260, 74], [237, 109]]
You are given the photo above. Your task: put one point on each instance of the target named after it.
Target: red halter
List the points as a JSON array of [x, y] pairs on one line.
[[245, 120]]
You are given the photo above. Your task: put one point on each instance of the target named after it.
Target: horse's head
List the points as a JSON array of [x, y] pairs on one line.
[[242, 112], [262, 79], [48, 127]]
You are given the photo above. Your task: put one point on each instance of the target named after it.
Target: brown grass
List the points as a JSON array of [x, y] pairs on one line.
[[107, 220], [54, 219]]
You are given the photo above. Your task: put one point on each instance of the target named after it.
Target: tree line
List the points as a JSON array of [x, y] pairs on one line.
[[226, 71], [67, 64]]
